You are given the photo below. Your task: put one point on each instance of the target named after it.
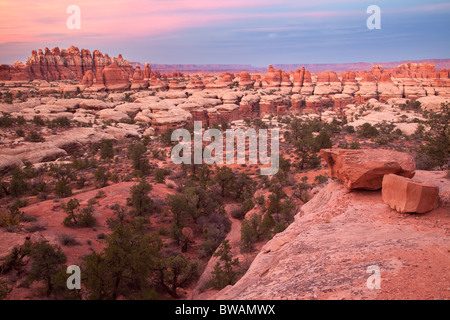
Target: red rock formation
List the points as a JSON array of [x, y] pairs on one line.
[[405, 195], [245, 80], [249, 106], [114, 78], [269, 104], [56, 64], [327, 77], [327, 83], [387, 89], [443, 74], [138, 79], [273, 78], [340, 100], [365, 168], [257, 79], [376, 71], [298, 77], [308, 87], [297, 103], [285, 80], [348, 77], [415, 70], [156, 83], [146, 73], [19, 72], [367, 89], [175, 85], [88, 79], [5, 72]]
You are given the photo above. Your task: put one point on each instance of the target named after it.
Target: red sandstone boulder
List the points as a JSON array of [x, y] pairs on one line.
[[365, 168], [405, 195]]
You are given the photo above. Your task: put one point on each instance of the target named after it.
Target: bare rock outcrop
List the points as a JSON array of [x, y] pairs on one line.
[[272, 79], [387, 89], [326, 252], [367, 89], [433, 103], [139, 80], [327, 83], [8, 163]]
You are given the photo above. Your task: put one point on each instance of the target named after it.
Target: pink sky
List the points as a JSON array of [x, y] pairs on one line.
[[45, 21], [229, 31]]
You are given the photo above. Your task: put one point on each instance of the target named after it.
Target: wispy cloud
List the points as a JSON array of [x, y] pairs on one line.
[[208, 29]]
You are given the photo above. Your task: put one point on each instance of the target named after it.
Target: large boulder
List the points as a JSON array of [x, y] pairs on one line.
[[406, 195], [365, 168]]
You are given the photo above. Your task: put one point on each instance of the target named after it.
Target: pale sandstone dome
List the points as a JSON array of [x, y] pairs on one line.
[[433, 103], [8, 163], [112, 115], [132, 108], [56, 146]]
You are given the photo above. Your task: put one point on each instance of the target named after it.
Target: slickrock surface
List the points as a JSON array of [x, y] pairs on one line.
[[325, 252]]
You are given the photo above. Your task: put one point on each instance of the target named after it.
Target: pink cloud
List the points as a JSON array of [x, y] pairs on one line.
[[29, 20]]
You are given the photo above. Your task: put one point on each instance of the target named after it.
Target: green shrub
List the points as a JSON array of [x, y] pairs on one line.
[[160, 175], [367, 131], [68, 240], [37, 120], [34, 136], [62, 189]]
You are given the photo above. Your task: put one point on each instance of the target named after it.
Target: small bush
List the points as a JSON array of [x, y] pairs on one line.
[[160, 175], [367, 131], [37, 120], [101, 236], [62, 189], [34, 136], [237, 212], [34, 227], [68, 240], [9, 218]]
